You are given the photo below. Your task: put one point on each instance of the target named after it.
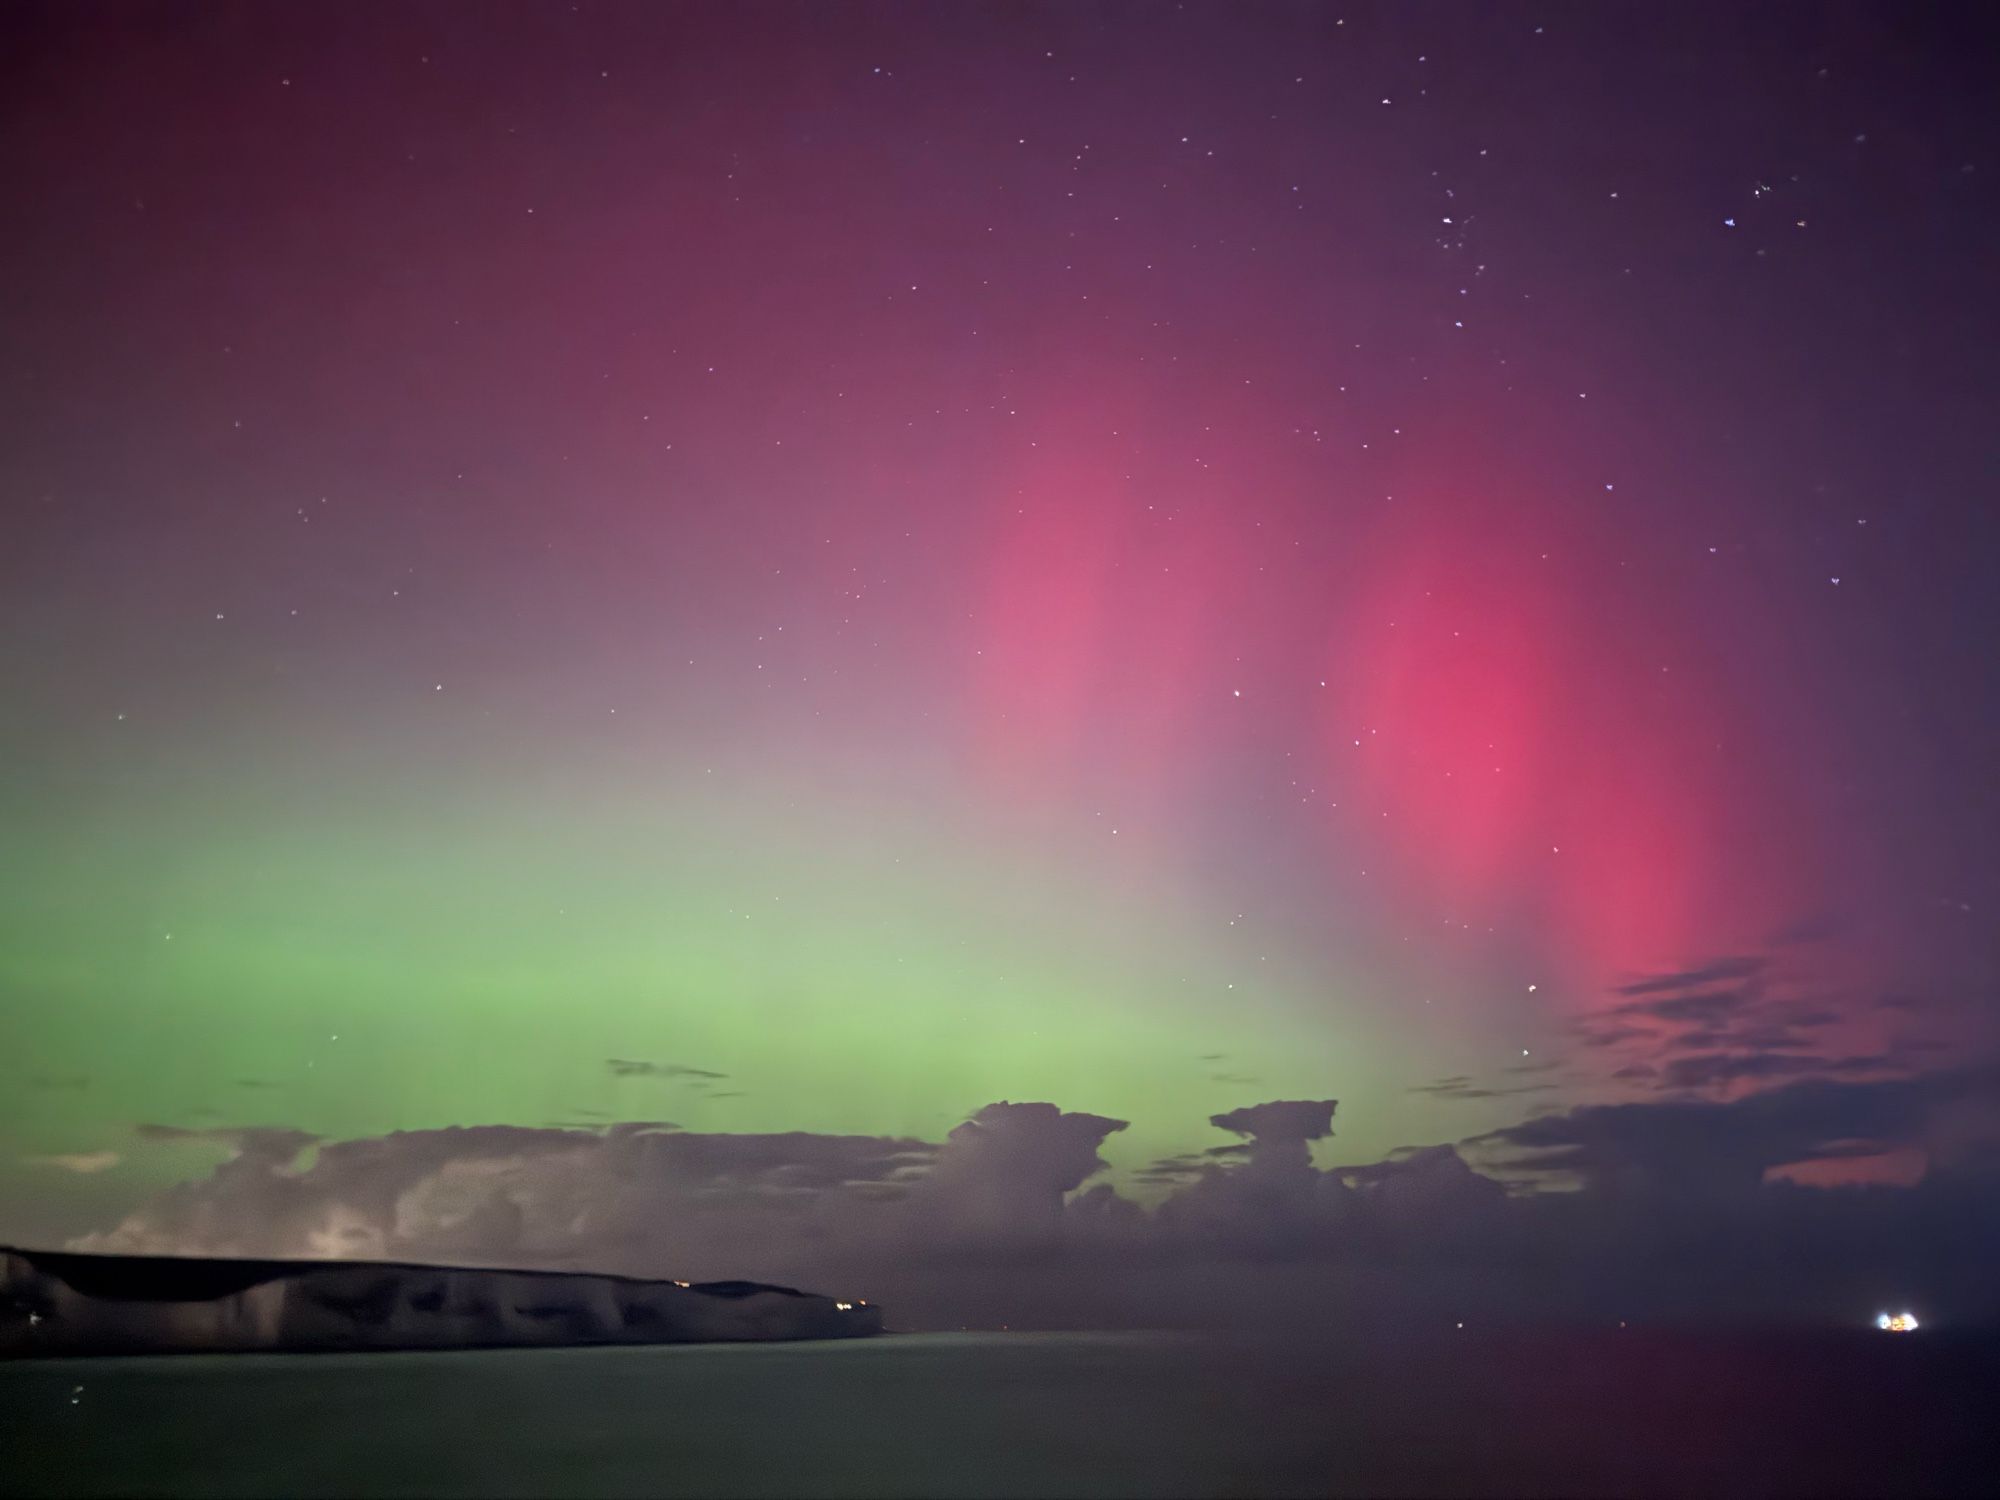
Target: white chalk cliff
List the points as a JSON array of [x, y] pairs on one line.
[[60, 1303]]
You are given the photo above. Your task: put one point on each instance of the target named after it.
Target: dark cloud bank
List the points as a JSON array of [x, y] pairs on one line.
[[1662, 1209]]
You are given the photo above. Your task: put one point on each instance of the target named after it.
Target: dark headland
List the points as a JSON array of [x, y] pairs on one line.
[[63, 1303]]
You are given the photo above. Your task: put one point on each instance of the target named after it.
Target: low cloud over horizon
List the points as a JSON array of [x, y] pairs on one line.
[[1672, 1207]]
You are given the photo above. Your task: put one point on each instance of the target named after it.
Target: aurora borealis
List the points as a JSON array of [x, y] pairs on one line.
[[879, 559]]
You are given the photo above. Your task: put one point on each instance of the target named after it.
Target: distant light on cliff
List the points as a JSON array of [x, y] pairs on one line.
[[843, 1307], [1896, 1323]]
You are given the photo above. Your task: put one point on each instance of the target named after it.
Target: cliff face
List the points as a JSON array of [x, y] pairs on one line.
[[55, 1304]]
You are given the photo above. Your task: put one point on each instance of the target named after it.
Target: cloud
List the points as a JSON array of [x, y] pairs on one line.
[[1282, 1120], [1695, 1147], [625, 1067], [600, 1125], [1707, 1069], [1592, 1031], [1708, 1007], [1461, 1086], [1443, 1088], [1427, 1192], [624, 1194], [1714, 1029], [272, 1142], [1464, 1088], [637, 1196], [1173, 1169], [85, 1162], [1715, 972], [1000, 1178], [1677, 1205]]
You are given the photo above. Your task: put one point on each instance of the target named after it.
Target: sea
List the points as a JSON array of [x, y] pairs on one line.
[[1612, 1412]]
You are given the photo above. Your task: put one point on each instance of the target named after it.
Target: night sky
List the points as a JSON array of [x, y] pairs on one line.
[[800, 571]]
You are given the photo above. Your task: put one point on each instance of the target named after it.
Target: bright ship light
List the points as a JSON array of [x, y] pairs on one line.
[[1896, 1323]]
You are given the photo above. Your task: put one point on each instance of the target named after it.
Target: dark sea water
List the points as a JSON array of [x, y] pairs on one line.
[[1578, 1413]]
